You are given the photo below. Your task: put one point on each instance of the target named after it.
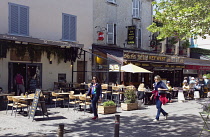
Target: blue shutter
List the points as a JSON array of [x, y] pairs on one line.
[[66, 31], [72, 28], [69, 27], [13, 20], [23, 28], [18, 19]]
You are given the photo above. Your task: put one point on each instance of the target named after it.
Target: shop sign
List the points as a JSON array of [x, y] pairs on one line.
[[145, 57], [114, 68], [131, 39], [197, 67], [149, 57]]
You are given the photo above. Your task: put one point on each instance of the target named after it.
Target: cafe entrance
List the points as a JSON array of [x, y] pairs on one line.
[[29, 71]]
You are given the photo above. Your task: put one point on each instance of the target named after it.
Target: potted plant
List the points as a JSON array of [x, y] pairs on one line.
[[130, 100], [107, 107]]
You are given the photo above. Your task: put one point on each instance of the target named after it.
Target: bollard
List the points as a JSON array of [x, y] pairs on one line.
[[60, 130], [117, 126]]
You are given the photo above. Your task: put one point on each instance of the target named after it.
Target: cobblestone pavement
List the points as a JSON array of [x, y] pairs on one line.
[[183, 121]]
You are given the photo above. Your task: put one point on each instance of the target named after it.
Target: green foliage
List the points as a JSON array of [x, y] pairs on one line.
[[109, 103], [130, 96], [207, 75], [181, 18], [186, 44]]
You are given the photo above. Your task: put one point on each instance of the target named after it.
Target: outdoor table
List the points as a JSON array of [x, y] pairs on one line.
[[2, 100]]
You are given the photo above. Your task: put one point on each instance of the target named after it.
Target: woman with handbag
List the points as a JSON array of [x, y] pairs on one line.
[[160, 96]]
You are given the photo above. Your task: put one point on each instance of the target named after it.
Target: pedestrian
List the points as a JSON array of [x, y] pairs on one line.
[[159, 98], [19, 82], [169, 92], [95, 92]]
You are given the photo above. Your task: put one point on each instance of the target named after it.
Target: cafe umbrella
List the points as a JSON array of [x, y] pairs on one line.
[[134, 69]]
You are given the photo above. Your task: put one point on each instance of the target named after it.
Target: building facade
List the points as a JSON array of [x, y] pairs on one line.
[[44, 39]]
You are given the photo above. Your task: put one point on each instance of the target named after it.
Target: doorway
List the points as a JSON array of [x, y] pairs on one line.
[[29, 71]]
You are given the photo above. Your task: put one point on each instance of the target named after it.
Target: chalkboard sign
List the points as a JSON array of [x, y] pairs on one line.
[[131, 39], [38, 98]]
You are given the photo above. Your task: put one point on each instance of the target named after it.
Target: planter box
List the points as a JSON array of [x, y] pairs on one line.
[[129, 106], [106, 109]]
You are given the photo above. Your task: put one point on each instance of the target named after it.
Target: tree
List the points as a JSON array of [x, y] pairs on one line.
[[181, 18]]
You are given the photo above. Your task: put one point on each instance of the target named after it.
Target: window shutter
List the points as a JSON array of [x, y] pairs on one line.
[[13, 20], [18, 19], [23, 28], [66, 31], [136, 5], [72, 28], [69, 27], [110, 33]]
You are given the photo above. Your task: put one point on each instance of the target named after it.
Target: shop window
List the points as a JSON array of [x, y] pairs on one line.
[[62, 77]]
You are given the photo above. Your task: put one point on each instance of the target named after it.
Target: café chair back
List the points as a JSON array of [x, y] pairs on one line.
[[9, 102], [57, 98], [84, 101], [17, 104]]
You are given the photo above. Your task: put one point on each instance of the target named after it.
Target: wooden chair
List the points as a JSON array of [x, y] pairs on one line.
[[17, 104], [73, 100], [84, 101], [9, 102], [57, 98]]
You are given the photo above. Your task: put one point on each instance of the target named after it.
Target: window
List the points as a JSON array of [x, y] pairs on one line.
[[136, 9], [69, 27], [111, 33], [18, 19], [111, 1]]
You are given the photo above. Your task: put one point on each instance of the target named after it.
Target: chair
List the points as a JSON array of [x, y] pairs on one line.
[[17, 104], [57, 98], [73, 100], [84, 101], [206, 119], [9, 102]]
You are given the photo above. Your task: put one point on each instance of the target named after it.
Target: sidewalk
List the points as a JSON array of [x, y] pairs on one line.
[[183, 121]]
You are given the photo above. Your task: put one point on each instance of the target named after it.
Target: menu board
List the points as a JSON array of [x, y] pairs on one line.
[[38, 99]]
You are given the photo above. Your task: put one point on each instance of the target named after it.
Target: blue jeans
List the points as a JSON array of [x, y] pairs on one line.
[[93, 103], [159, 109]]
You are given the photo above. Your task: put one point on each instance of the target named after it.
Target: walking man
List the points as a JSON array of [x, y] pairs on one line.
[[19, 82]]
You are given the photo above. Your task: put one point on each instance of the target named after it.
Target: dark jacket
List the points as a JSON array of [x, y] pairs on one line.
[[98, 90]]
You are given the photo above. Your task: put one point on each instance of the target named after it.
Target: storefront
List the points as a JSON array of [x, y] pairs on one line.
[[43, 60], [168, 67]]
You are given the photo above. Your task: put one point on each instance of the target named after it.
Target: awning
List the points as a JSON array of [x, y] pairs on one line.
[[200, 62], [40, 41], [116, 55]]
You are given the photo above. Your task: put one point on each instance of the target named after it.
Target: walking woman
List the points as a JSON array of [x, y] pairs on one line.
[[95, 92], [159, 98]]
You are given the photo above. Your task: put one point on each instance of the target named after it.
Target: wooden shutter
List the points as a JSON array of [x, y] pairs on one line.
[[18, 19], [69, 27], [73, 28], [110, 33], [66, 28], [24, 23], [13, 19]]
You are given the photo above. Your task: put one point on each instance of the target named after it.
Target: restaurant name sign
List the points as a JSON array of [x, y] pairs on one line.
[[149, 57], [131, 39]]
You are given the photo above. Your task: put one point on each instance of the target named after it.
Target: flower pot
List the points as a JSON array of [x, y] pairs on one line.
[[106, 109], [129, 106]]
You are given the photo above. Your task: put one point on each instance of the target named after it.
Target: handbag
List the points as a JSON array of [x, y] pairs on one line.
[[162, 91]]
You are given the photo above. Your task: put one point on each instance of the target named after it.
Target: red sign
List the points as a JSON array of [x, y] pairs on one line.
[[100, 36], [197, 67]]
